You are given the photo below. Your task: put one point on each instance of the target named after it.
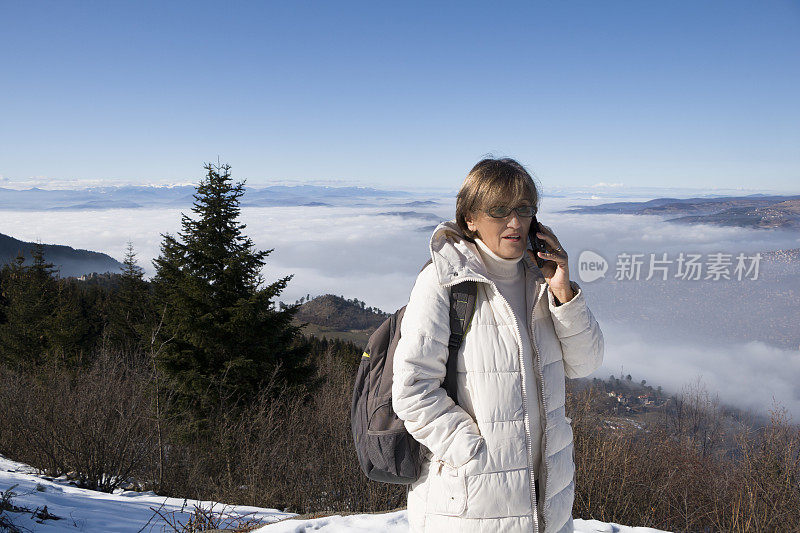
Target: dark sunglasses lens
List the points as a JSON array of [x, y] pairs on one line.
[[499, 212], [525, 211]]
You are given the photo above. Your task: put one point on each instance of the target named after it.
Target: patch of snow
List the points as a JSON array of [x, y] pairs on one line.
[[596, 526], [88, 510], [395, 522], [134, 512]]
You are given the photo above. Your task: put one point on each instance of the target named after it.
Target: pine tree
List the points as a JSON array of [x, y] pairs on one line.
[[226, 341], [30, 296], [70, 329], [131, 314]]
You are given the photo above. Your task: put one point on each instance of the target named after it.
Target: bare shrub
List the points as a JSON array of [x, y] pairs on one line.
[[695, 416], [630, 476], [679, 476], [6, 508], [94, 423], [207, 518], [294, 453], [294, 450], [762, 493], [331, 466]]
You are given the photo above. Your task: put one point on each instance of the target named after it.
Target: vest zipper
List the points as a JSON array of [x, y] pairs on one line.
[[540, 388]]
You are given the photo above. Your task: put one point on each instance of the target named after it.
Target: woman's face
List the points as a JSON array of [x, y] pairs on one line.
[[507, 237]]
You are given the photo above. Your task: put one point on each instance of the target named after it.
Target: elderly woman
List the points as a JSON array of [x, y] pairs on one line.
[[502, 458]]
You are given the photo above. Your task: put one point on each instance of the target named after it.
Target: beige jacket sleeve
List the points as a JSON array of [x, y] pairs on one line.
[[420, 364], [579, 333]]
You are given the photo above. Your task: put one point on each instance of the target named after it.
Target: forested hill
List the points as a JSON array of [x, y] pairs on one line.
[[70, 261], [335, 312], [334, 316]]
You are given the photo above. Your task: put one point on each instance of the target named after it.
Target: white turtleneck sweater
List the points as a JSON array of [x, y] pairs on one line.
[[509, 277]]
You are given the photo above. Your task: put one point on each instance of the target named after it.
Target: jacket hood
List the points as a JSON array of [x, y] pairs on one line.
[[455, 258]]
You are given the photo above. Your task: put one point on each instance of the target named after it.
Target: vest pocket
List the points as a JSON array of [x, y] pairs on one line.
[[447, 490]]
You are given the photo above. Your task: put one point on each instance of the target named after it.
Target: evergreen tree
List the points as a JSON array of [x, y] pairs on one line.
[[71, 328], [225, 339], [131, 313], [29, 294]]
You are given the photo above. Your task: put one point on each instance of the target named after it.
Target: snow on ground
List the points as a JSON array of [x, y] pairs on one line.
[[134, 512], [396, 523], [88, 510], [357, 523]]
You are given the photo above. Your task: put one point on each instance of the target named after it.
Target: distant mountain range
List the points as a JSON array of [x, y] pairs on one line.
[[754, 211], [69, 261], [134, 196]]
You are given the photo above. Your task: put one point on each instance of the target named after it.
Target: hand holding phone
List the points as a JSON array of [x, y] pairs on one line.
[[556, 270], [537, 244]]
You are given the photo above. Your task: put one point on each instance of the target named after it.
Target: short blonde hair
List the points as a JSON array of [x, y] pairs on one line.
[[493, 182]]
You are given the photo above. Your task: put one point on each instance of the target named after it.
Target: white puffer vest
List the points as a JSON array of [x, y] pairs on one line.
[[478, 475]]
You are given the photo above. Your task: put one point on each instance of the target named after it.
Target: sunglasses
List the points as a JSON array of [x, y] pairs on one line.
[[502, 211]]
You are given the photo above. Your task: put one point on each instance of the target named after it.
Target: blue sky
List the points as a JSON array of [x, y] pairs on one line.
[[685, 94]]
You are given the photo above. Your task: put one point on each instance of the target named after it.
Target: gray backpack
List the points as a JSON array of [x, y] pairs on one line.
[[386, 451]]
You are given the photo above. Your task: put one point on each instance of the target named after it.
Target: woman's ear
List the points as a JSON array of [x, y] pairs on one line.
[[469, 221]]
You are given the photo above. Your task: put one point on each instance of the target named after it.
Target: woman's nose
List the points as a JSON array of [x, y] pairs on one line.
[[514, 222]]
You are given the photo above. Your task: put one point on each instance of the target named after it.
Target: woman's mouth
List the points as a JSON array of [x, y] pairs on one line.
[[514, 238]]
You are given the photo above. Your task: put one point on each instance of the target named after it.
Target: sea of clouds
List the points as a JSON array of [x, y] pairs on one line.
[[363, 252]]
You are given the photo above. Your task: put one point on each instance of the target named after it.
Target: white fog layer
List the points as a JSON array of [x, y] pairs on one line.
[[740, 336]]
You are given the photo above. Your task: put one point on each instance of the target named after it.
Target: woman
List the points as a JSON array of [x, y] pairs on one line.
[[507, 444]]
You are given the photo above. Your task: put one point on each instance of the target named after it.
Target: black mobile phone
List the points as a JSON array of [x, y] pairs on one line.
[[537, 244]]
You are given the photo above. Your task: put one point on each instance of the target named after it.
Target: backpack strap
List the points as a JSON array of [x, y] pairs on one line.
[[462, 307]]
